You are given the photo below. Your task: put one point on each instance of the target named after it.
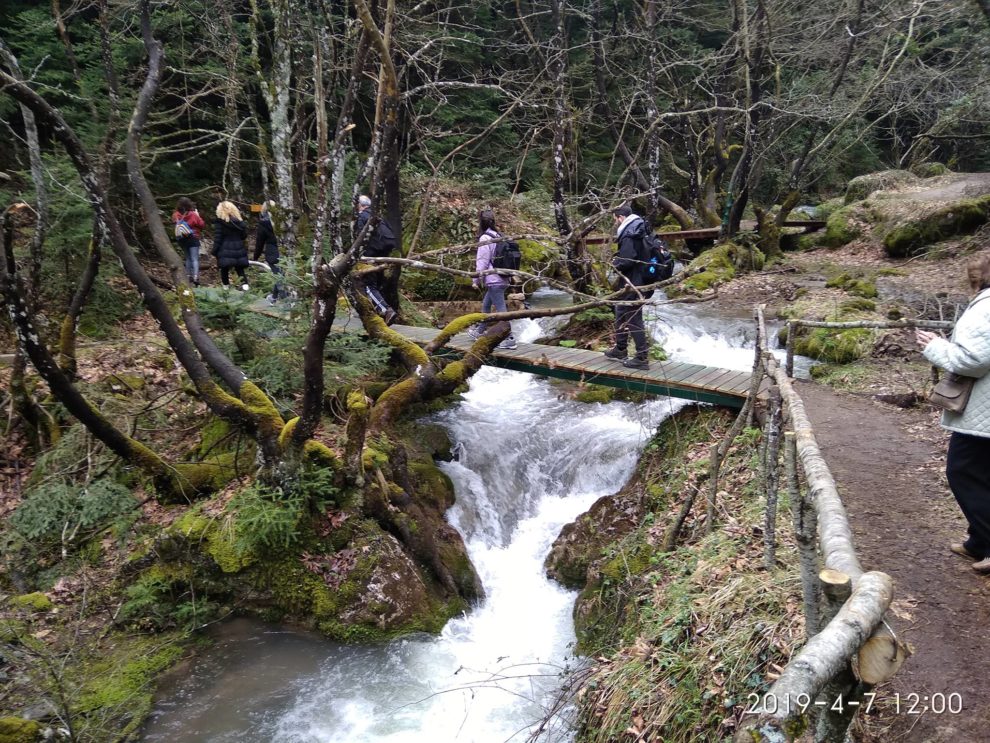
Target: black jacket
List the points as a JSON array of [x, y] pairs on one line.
[[382, 241], [228, 243], [628, 259], [264, 239]]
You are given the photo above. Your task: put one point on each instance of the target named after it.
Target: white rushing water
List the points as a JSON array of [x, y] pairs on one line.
[[529, 461]]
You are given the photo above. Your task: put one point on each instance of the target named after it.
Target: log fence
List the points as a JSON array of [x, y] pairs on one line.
[[849, 647]]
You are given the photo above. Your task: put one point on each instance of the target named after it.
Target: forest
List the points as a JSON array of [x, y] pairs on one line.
[[175, 455]]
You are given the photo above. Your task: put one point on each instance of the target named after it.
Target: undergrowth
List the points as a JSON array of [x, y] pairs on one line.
[[686, 635]]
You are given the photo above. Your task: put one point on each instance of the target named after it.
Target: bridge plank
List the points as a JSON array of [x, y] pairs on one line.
[[674, 378]]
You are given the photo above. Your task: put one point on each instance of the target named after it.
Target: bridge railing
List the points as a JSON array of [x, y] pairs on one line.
[[849, 648]]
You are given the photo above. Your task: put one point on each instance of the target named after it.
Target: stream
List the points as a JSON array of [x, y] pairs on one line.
[[528, 462]]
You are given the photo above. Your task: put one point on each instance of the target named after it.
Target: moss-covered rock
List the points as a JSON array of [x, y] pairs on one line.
[[929, 170], [719, 265], [841, 228], [862, 186], [835, 346], [119, 686], [911, 237], [31, 601], [19, 730], [858, 285], [214, 536], [828, 208], [123, 384], [593, 394], [582, 541]]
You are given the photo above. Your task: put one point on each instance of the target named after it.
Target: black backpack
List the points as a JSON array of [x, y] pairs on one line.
[[382, 241], [659, 261], [507, 256]]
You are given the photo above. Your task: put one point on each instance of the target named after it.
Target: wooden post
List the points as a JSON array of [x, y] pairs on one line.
[[754, 387], [805, 525], [772, 478], [791, 329], [834, 718], [715, 462], [822, 658]]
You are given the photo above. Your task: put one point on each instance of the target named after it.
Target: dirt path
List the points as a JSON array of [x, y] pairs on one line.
[[888, 464]]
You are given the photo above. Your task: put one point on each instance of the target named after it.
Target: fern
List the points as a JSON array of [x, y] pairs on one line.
[[47, 512]]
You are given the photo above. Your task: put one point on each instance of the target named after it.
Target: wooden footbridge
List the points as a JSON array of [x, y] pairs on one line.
[[670, 378]]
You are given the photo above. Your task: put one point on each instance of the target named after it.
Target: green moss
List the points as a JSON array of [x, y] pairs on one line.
[[827, 208], [929, 170], [594, 394], [861, 286], [535, 255], [124, 383], [840, 229], [432, 484], [19, 730], [721, 263], [121, 686], [857, 305], [214, 431], [261, 408], [862, 186], [215, 472], [839, 347], [911, 237], [32, 601], [216, 541]]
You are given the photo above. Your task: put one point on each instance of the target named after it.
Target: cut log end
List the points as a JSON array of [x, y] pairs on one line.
[[881, 657]]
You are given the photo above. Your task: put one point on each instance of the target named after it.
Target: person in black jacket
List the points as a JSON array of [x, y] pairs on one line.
[[628, 262], [380, 244], [229, 232], [265, 241]]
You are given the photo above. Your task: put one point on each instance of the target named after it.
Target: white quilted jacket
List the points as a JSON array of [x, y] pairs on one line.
[[968, 353]]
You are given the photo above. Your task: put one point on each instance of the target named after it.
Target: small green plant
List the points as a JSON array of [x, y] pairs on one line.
[[55, 511], [567, 344]]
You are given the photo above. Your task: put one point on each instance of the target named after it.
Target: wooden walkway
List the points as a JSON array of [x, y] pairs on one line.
[[712, 233], [670, 378]]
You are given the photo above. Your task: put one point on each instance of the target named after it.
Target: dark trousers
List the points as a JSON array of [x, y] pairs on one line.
[[629, 321], [225, 275], [969, 477]]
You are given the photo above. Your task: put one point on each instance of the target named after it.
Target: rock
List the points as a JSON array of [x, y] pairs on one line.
[[19, 730], [862, 186], [32, 601], [912, 235], [581, 542]]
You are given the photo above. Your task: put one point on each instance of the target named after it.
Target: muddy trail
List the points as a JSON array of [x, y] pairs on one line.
[[889, 464]]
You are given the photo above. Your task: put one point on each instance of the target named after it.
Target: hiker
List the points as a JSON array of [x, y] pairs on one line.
[[495, 284], [188, 228], [229, 232], [968, 355], [628, 262], [265, 240], [380, 243]]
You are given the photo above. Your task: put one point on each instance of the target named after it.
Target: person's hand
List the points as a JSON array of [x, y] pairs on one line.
[[476, 285], [924, 337]]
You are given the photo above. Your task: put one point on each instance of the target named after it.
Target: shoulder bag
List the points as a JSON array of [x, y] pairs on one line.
[[952, 392]]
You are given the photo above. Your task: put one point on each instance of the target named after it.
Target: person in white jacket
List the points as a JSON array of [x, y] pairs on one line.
[[966, 467]]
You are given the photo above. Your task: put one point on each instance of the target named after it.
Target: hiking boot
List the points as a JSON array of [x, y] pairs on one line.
[[244, 287], [475, 331], [390, 317], [616, 353], [982, 566], [271, 299], [960, 549], [508, 344], [635, 363]]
